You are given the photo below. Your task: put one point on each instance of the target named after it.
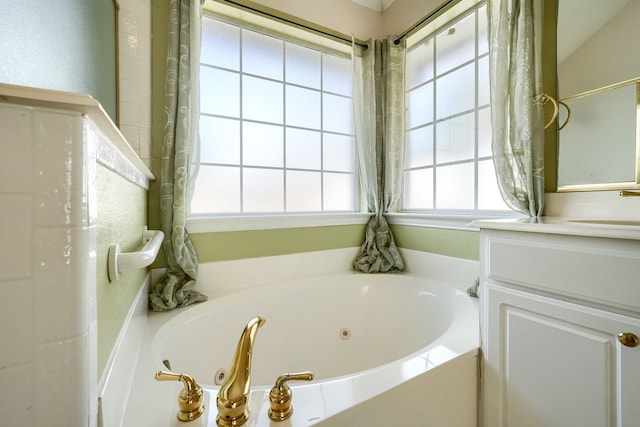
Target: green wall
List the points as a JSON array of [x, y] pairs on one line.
[[159, 24], [66, 45], [258, 243], [121, 217], [550, 83], [455, 243], [224, 246]]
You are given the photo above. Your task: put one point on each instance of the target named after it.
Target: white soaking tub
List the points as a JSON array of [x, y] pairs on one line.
[[386, 349]]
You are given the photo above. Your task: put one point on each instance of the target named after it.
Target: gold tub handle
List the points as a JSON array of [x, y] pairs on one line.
[[190, 405], [280, 395]]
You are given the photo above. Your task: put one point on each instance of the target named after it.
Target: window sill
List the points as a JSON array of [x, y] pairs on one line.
[[453, 221], [266, 222]]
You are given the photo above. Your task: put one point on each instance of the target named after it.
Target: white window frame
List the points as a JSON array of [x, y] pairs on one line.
[[440, 219], [201, 223], [444, 218]]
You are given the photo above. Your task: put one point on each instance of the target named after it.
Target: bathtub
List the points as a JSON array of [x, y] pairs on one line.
[[385, 349]]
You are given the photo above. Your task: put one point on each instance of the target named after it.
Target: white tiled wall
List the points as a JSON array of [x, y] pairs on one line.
[[134, 58], [47, 269], [48, 329]]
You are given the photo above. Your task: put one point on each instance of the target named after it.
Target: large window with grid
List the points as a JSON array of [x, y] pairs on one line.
[[448, 158], [276, 126]]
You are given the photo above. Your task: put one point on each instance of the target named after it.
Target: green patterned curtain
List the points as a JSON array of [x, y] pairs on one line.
[[379, 112], [179, 144], [515, 72]]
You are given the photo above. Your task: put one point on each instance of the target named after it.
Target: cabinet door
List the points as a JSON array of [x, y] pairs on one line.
[[554, 363]]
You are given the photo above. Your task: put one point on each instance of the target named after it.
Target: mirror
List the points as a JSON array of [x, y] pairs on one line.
[[598, 75]]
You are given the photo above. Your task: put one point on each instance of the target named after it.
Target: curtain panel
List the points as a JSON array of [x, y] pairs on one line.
[[379, 111], [180, 144], [515, 75]]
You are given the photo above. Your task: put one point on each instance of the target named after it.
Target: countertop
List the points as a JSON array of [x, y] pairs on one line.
[[606, 228]]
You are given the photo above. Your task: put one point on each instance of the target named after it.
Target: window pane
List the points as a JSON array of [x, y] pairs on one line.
[[270, 107], [456, 44], [338, 192], [420, 106], [456, 92], [338, 153], [455, 139], [219, 140], [419, 147], [220, 44], [420, 64], [455, 187], [262, 100], [418, 189], [488, 193], [483, 81], [262, 55], [455, 101], [303, 107], [303, 66], [337, 114], [216, 199], [303, 149], [336, 75], [483, 32], [262, 190], [304, 191], [484, 133], [219, 92], [262, 145]]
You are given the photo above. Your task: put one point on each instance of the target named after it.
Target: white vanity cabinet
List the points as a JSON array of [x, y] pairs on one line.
[[552, 308]]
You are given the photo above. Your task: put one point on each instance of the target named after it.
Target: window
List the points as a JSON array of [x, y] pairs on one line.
[[276, 126], [448, 158]]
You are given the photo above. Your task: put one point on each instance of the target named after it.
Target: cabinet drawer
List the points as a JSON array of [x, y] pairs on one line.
[[605, 271]]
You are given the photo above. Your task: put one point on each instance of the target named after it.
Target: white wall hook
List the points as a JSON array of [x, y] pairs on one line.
[[118, 262]]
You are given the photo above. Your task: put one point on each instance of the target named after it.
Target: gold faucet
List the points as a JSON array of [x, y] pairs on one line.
[[233, 396], [190, 404]]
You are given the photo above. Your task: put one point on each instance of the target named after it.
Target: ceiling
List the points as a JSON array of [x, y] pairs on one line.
[[379, 5]]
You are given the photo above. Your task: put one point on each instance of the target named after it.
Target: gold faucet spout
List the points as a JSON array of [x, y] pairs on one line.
[[233, 396]]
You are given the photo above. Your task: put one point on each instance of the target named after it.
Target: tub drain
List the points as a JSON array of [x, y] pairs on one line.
[[221, 374], [345, 333]]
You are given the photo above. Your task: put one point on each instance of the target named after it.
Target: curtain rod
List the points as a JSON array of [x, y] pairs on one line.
[[421, 22], [296, 24]]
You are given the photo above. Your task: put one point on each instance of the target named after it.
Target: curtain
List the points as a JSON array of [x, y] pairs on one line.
[[379, 112], [180, 144], [515, 75]]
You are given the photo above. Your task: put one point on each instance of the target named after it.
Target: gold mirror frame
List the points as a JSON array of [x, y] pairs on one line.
[[613, 185], [552, 140]]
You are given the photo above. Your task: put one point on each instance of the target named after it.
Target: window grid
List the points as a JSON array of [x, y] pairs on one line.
[[240, 119], [436, 164], [284, 122], [284, 126]]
